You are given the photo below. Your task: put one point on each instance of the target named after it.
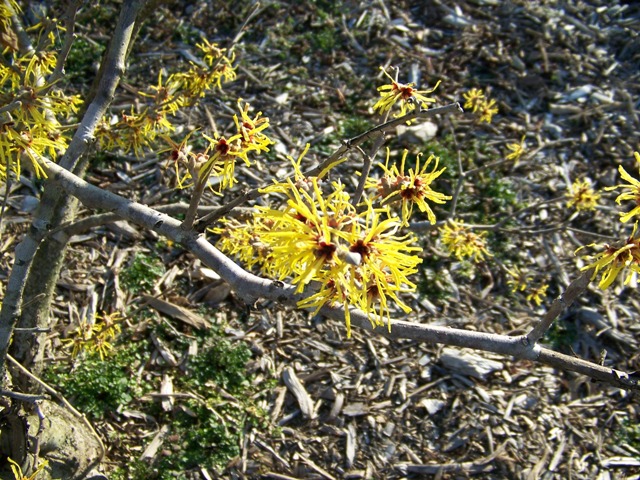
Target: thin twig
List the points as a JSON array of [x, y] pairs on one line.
[[15, 105], [366, 169], [22, 397], [574, 290], [196, 196], [69, 37]]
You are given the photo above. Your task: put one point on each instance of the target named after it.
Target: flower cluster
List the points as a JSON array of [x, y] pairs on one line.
[[410, 188], [96, 335], [462, 242], [30, 123], [404, 93], [480, 105], [215, 69], [319, 239], [582, 196], [614, 259], [137, 130], [219, 158]]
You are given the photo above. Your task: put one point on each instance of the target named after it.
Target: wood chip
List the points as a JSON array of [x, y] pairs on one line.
[[351, 446], [166, 388], [177, 312], [468, 363], [295, 386], [151, 450], [164, 350]]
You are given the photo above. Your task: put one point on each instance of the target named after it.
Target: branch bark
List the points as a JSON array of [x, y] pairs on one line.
[[251, 287]]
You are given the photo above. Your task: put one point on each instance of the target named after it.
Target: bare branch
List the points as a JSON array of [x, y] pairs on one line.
[[574, 290], [363, 137], [113, 69], [251, 287], [69, 37], [22, 397]]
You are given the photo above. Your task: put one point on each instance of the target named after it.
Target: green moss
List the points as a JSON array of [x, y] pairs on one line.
[[223, 363], [142, 273], [629, 433], [354, 125], [95, 386]]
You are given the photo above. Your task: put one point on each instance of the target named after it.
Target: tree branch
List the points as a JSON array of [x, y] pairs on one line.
[[251, 287]]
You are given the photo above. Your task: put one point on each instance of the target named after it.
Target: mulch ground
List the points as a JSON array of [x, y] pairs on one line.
[[566, 77]]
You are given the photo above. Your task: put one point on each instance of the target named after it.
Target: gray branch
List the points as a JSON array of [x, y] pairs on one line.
[[251, 287]]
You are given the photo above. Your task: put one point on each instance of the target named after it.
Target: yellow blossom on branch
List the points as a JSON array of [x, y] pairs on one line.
[[220, 156], [535, 294], [462, 242], [32, 128], [476, 101], [517, 150], [612, 260], [250, 129], [632, 193], [517, 280], [95, 335], [404, 93], [487, 110], [473, 99], [325, 247], [410, 188], [582, 197]]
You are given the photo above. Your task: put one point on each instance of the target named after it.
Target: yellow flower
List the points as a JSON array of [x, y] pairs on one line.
[[250, 130], [214, 54], [243, 240], [347, 258], [411, 188], [474, 98], [218, 69], [180, 157], [463, 243], [95, 335], [487, 110], [405, 93], [304, 239], [535, 294], [386, 260], [518, 280], [223, 161], [517, 150], [582, 196], [613, 260], [633, 194]]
